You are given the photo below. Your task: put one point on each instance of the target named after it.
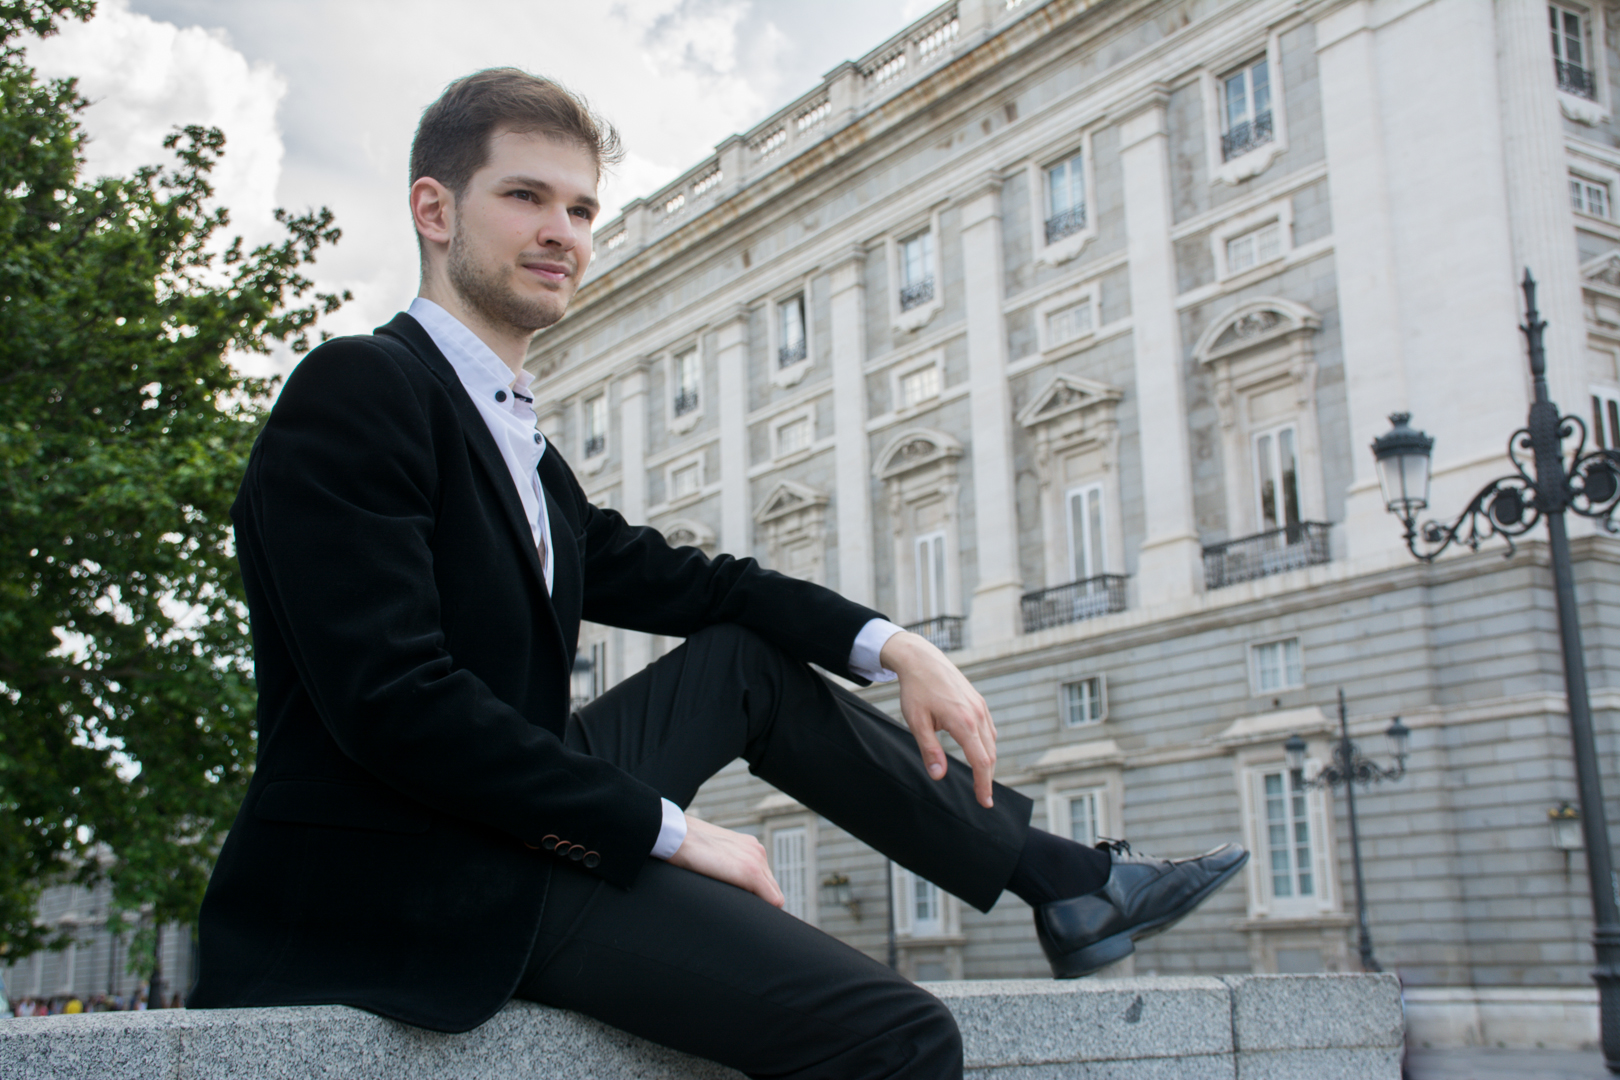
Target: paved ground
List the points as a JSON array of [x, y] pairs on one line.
[[1505, 1065]]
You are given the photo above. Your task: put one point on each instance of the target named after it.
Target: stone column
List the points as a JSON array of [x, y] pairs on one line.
[[1537, 169], [852, 471], [994, 616], [634, 649], [1170, 564], [736, 529]]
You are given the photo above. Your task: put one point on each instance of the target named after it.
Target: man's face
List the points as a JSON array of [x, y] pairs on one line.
[[522, 236]]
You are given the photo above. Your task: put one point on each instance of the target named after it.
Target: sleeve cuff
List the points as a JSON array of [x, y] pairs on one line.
[[673, 832], [864, 656]]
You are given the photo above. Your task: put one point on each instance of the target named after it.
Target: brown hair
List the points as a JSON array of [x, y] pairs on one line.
[[452, 140]]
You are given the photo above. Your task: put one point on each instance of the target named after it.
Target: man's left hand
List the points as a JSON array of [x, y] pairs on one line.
[[934, 697]]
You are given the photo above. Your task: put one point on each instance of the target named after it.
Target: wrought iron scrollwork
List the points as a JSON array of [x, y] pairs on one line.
[[1511, 506]]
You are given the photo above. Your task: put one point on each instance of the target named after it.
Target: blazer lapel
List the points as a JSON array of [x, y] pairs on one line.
[[484, 451]]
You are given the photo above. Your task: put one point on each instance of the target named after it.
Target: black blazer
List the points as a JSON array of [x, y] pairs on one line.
[[413, 682]]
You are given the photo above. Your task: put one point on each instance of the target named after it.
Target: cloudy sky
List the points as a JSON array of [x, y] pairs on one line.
[[318, 99]]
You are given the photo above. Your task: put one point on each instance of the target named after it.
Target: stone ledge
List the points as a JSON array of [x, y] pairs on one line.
[[1249, 1026]]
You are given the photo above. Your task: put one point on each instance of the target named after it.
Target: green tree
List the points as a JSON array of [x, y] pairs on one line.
[[126, 692]]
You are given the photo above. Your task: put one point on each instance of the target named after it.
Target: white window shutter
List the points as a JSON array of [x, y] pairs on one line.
[[902, 899], [1253, 791], [1321, 841]]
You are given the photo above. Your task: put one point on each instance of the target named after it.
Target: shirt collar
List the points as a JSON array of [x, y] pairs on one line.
[[475, 363]]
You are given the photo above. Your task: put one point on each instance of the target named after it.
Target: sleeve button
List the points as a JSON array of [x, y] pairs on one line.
[[592, 859], [549, 842], [577, 852]]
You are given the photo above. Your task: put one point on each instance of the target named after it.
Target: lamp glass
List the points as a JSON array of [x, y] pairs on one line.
[[1400, 738], [1295, 749], [1403, 467], [1567, 834]]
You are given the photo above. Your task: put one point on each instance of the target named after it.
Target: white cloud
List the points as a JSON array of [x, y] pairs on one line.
[[146, 77]]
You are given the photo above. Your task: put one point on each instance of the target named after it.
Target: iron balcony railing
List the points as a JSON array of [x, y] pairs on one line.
[[943, 631], [1304, 543], [1065, 224], [1074, 602], [686, 401], [1574, 79], [1246, 136], [595, 444], [918, 292], [788, 355]]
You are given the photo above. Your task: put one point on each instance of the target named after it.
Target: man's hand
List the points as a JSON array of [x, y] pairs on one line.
[[733, 857], [935, 696]]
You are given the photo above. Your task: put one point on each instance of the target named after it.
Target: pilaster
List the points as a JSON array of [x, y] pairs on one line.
[[1169, 565], [853, 497], [732, 361], [994, 615], [635, 650]]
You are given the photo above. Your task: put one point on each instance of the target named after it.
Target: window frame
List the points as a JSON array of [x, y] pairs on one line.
[[943, 926], [807, 825], [1064, 710], [1037, 174], [1585, 184], [899, 373], [1278, 213], [798, 289], [1257, 488], [1256, 688], [671, 500], [681, 422], [785, 419], [938, 543], [918, 315], [1263, 901], [1076, 296], [591, 461], [1581, 109], [1100, 543], [1258, 158], [1605, 401]]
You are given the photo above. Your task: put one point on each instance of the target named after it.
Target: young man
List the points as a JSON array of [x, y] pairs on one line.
[[430, 832]]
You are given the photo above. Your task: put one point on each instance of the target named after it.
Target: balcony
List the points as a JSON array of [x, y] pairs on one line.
[[918, 292], [1574, 79], [595, 444], [943, 632], [788, 355], [1064, 224], [1304, 543], [1246, 136], [686, 401], [1074, 602]]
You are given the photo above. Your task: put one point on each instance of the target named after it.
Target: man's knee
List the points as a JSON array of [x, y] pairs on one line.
[[930, 1028], [732, 640]]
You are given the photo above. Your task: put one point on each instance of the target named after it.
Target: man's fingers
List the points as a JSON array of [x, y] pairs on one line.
[[933, 754], [980, 754]]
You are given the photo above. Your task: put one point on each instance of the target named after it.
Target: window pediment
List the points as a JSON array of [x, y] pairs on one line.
[[1254, 327], [913, 450], [1066, 395], [686, 533], [788, 498]]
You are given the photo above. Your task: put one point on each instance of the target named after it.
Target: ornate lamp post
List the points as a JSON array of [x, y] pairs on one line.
[[1349, 768], [1587, 482]]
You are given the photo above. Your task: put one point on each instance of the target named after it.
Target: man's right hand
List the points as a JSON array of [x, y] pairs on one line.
[[733, 857]]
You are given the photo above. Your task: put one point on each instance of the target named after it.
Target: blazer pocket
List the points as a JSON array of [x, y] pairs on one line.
[[343, 806]]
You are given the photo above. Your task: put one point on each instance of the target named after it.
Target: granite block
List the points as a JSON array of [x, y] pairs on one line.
[[1198, 1067], [1029, 1022], [106, 1046], [1292, 1012], [1370, 1063]]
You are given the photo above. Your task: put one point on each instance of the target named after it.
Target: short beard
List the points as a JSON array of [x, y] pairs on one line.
[[485, 292]]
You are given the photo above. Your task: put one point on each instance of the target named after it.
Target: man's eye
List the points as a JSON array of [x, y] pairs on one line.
[[521, 194]]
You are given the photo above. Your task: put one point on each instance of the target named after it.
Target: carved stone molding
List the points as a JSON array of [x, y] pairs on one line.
[[793, 518]]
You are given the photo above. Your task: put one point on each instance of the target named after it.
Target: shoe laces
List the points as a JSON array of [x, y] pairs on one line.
[[1113, 847]]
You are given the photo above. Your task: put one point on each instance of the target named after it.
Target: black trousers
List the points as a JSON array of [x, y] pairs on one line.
[[709, 969]]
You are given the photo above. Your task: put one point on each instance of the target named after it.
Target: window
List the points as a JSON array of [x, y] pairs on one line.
[[1086, 532], [930, 576], [1065, 199], [1570, 63], [685, 480], [792, 346], [686, 382], [1589, 196], [919, 905], [1246, 110], [1605, 420], [590, 674], [1254, 247], [789, 864], [1083, 703], [1067, 324], [1285, 831], [918, 386], [1084, 820], [596, 425], [1276, 477], [1276, 666], [916, 270], [793, 436]]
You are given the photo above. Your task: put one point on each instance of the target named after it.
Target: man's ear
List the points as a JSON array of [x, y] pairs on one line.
[[433, 209]]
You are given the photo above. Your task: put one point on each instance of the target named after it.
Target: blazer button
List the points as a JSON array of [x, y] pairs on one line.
[[530, 846], [500, 395], [549, 842], [577, 852], [591, 860]]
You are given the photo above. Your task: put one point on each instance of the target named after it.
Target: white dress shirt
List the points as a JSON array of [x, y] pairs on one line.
[[506, 406]]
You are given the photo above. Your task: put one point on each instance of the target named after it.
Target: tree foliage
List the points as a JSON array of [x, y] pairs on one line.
[[126, 693]]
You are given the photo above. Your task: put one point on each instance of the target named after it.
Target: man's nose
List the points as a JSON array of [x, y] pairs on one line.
[[556, 230]]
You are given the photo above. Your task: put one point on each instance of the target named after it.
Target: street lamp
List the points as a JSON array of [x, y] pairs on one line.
[[1587, 482], [1349, 768]]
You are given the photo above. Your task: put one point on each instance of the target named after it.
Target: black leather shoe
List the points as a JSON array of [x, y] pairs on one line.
[[1142, 897]]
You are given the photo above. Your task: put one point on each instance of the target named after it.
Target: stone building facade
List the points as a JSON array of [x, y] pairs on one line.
[[1060, 331]]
